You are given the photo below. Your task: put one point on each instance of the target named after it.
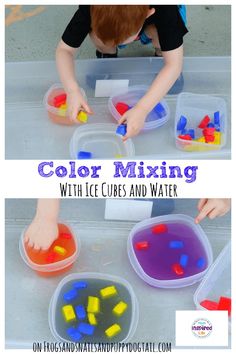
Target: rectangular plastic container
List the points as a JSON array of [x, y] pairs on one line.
[[159, 257], [195, 107], [51, 268], [57, 115], [131, 97], [105, 318], [217, 281], [101, 141]]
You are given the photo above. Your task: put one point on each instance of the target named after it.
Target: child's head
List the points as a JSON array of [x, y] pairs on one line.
[[116, 24]]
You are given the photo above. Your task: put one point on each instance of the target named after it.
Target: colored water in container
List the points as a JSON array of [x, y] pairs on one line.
[[57, 109], [158, 115], [54, 114], [43, 257], [157, 261], [105, 318]]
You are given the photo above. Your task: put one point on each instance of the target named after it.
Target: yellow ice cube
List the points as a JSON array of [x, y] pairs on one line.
[[82, 117], [60, 250], [120, 308], [93, 304], [68, 313], [92, 319], [62, 110], [113, 330], [109, 291]]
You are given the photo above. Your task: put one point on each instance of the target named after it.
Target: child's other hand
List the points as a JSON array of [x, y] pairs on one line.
[[41, 233], [76, 103], [212, 208], [134, 118]]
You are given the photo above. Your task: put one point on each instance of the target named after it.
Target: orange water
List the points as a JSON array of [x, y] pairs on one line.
[[40, 257], [56, 118], [55, 272]]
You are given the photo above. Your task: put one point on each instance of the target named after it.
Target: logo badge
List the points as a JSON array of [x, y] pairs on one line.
[[201, 328]]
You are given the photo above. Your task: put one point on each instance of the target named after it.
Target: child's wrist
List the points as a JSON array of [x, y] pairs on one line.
[[143, 108], [72, 88], [44, 216]]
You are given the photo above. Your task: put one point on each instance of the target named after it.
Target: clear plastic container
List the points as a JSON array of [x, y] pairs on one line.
[[161, 257], [195, 107], [56, 114], [101, 140], [217, 281], [131, 97], [128, 321], [56, 267], [205, 75]]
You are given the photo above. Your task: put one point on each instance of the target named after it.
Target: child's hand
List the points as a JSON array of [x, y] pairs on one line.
[[212, 208], [41, 233], [76, 103], [134, 118]]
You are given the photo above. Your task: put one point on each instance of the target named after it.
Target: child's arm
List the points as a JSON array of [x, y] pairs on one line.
[[65, 65], [136, 116], [212, 208], [43, 230]]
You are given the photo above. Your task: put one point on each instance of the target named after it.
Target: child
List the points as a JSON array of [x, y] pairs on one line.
[[112, 25], [43, 230]]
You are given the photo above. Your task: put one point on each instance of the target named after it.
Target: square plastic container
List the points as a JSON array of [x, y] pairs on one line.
[[158, 246], [105, 318], [131, 97], [57, 115], [47, 263], [217, 281], [195, 107], [101, 141]]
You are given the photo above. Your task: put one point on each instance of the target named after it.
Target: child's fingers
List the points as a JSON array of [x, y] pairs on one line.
[[199, 218], [128, 135], [36, 247], [122, 120], [201, 203], [26, 238], [213, 214], [217, 211], [73, 115], [74, 112], [203, 213], [86, 108], [131, 132], [30, 243]]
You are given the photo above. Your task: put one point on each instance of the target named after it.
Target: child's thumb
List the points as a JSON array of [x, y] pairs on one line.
[[126, 136], [122, 120]]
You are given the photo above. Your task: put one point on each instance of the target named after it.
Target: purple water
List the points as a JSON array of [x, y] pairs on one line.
[[158, 259]]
